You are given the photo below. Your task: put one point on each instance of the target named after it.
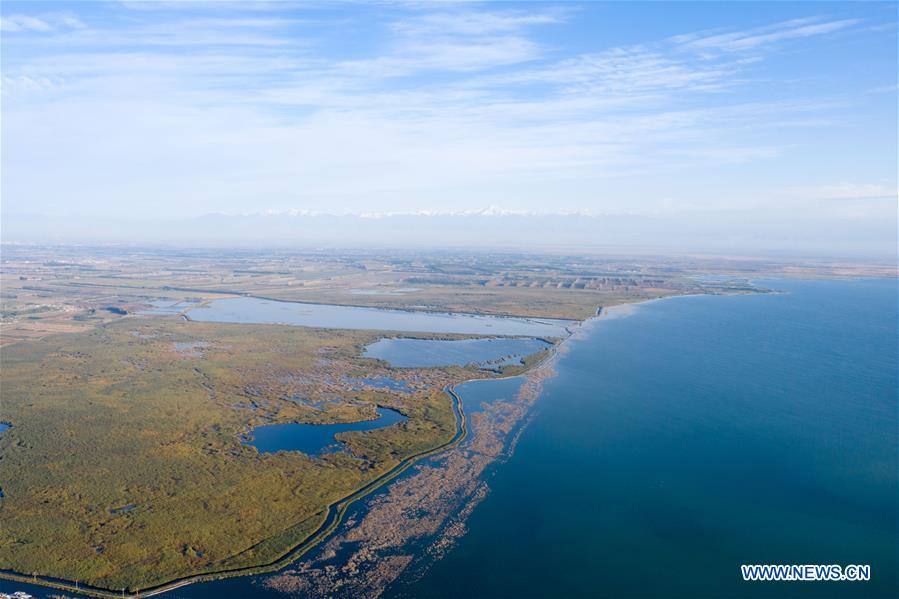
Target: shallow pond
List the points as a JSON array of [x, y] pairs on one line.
[[164, 307], [314, 439], [253, 310], [491, 352], [124, 509], [379, 382], [478, 393]]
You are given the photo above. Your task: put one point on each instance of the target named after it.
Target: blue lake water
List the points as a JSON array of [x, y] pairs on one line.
[[476, 394], [313, 439], [260, 311], [693, 436], [417, 353]]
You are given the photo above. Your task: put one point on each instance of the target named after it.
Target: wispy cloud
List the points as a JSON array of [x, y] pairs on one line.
[[474, 23], [45, 23], [735, 41], [23, 23], [443, 54], [469, 40]]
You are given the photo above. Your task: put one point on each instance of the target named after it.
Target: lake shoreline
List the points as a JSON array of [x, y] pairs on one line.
[[722, 452]]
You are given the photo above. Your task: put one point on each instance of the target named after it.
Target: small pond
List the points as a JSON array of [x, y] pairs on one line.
[[360, 383], [486, 353], [314, 439], [164, 307], [123, 509], [476, 394]]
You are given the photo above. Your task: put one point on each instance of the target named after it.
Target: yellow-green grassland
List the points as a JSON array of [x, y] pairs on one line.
[[150, 415]]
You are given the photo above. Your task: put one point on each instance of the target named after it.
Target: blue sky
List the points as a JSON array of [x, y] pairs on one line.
[[140, 109]]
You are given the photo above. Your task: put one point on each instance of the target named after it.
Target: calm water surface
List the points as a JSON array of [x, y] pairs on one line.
[[476, 394], [379, 382], [313, 439], [693, 436], [417, 353], [164, 307], [260, 311]]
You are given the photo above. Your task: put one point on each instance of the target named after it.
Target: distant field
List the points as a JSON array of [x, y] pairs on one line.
[[549, 302], [124, 465], [46, 290]]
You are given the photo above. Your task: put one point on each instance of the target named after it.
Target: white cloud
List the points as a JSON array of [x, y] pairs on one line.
[[45, 23], [16, 23], [445, 55], [25, 83], [629, 72], [735, 41], [464, 41], [473, 22]]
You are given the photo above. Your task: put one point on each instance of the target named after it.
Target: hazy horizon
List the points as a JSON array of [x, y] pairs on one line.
[[569, 233]]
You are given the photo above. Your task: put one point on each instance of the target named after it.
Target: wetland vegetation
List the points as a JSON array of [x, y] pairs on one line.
[[131, 414], [486, 353]]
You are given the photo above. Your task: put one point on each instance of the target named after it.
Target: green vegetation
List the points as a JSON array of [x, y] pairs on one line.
[[124, 466]]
